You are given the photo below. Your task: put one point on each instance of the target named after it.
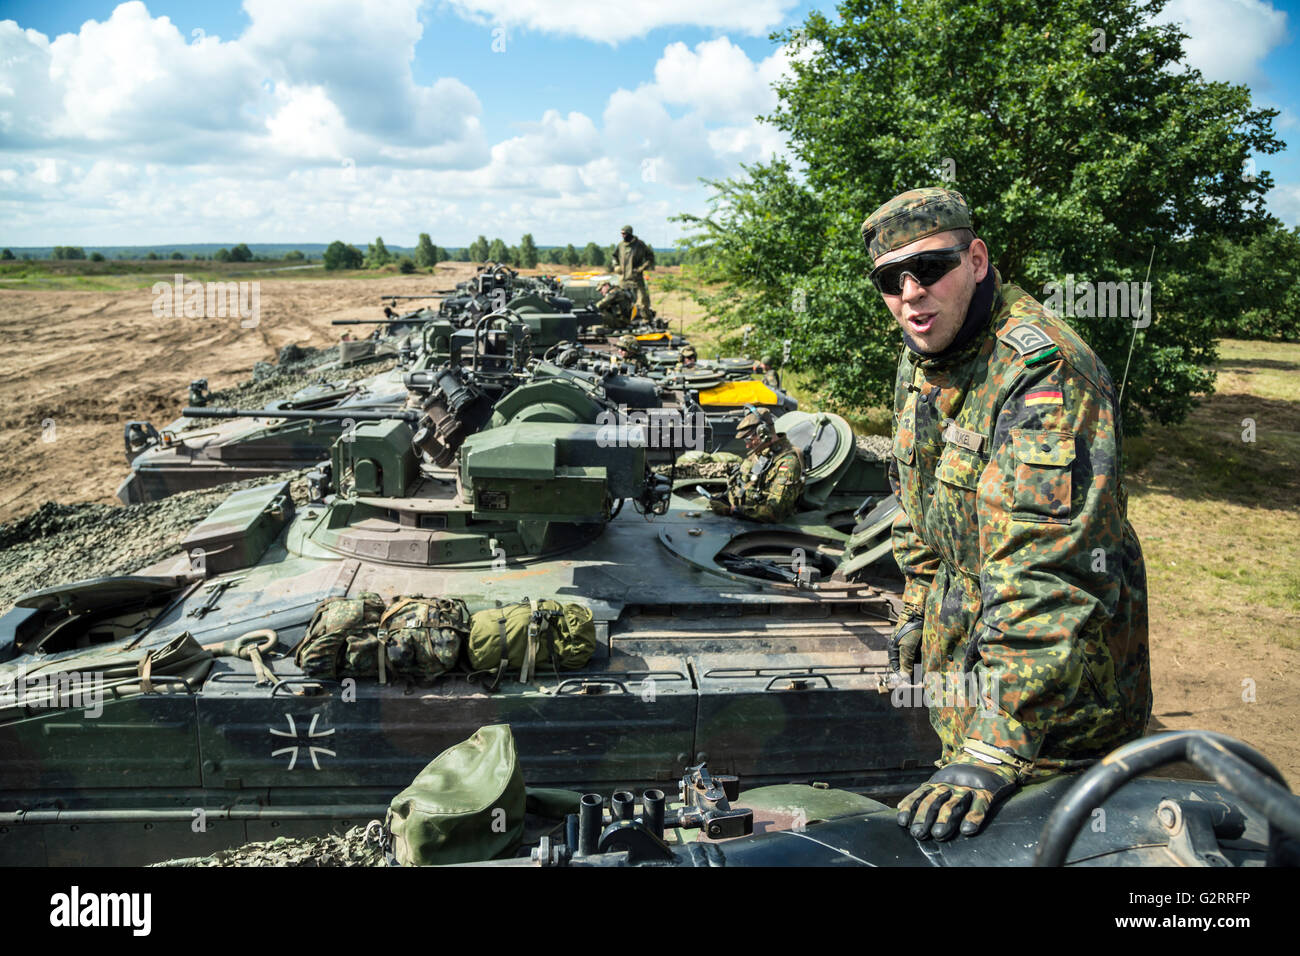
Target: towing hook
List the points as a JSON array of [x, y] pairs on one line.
[[263, 640]]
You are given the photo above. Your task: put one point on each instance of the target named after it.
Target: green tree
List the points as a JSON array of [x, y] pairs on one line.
[[406, 265], [94, 256], [152, 256], [241, 253], [294, 256], [377, 254], [69, 252], [497, 251], [593, 255], [478, 250], [1261, 278], [177, 255], [1079, 151], [512, 255], [340, 256], [528, 254], [7, 255], [426, 253], [571, 256], [222, 255]]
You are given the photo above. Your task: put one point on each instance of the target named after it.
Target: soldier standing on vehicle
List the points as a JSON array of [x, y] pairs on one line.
[[765, 486], [631, 259], [1021, 568], [616, 306]]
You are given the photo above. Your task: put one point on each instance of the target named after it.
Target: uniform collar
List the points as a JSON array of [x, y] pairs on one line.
[[975, 328]]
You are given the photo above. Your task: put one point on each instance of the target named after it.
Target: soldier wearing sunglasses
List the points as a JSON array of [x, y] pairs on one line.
[[1024, 578]]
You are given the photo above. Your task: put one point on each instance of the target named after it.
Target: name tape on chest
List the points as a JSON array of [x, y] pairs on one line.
[[1026, 338], [953, 434]]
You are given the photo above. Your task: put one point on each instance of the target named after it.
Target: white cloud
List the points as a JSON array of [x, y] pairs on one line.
[[723, 90], [1284, 202], [1228, 39], [310, 126], [607, 22], [308, 81]]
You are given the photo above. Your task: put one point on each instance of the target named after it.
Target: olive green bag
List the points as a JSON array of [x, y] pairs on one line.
[[521, 636], [467, 805]]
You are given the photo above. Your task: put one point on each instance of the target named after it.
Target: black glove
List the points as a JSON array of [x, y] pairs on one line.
[[961, 793], [903, 646]]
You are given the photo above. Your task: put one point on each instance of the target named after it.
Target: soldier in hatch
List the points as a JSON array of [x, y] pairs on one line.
[[1021, 568], [631, 259], [629, 352], [616, 306], [771, 377], [765, 486]]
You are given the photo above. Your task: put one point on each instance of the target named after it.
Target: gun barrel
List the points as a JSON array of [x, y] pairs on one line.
[[401, 320], [320, 414]]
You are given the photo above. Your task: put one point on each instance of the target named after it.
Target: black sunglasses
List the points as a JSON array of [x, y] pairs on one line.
[[926, 268]]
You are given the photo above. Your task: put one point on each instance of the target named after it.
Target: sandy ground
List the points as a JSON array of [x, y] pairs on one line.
[[79, 365]]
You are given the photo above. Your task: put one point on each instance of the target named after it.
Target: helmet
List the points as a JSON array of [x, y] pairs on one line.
[[688, 351], [757, 420], [626, 230], [629, 343], [769, 360]]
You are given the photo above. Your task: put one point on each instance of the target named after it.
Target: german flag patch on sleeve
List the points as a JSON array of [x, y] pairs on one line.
[[1045, 396]]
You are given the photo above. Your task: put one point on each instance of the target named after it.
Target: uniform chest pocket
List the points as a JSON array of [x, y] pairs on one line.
[[1044, 461], [959, 468]]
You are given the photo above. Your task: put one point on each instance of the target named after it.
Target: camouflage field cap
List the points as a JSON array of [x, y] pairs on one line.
[[914, 215], [688, 351], [756, 420], [628, 342]]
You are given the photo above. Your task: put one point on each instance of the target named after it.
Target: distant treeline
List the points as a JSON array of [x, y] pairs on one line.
[[527, 255], [338, 255]]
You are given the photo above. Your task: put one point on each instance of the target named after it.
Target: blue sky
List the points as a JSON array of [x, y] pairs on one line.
[[308, 120]]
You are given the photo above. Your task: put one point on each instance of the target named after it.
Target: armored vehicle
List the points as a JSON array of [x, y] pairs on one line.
[[203, 449], [130, 707]]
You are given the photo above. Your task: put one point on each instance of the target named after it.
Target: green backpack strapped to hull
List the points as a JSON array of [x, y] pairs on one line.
[[521, 636]]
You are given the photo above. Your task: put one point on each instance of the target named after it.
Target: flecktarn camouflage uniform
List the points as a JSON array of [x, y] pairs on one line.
[[617, 307], [768, 483], [1015, 544]]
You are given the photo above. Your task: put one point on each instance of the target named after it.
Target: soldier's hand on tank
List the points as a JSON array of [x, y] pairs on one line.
[[719, 507], [904, 645], [960, 794]]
